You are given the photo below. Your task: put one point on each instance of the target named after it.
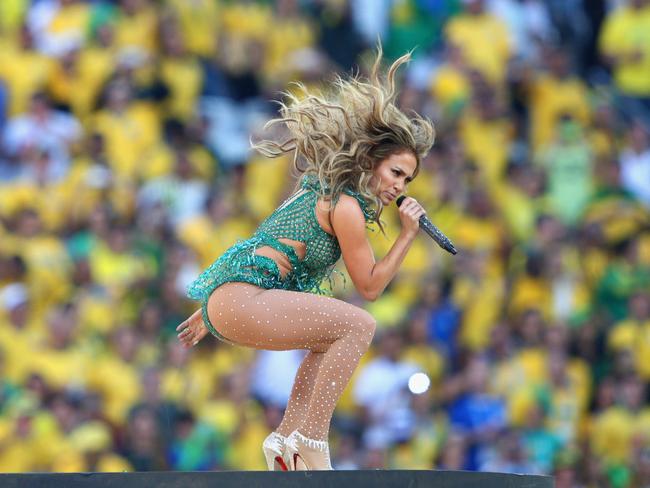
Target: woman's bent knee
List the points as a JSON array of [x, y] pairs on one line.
[[367, 326]]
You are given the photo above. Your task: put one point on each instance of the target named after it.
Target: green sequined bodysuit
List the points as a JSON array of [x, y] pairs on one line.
[[295, 219]]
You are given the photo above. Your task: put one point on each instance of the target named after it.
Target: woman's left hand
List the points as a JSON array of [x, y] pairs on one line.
[[191, 331]]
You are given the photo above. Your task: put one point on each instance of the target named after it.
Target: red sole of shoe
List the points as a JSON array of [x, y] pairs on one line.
[[297, 456], [281, 462]]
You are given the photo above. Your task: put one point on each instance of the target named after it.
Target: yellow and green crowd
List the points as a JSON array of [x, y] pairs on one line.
[[125, 170]]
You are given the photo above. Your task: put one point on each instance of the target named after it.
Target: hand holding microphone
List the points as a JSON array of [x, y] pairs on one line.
[[412, 209]]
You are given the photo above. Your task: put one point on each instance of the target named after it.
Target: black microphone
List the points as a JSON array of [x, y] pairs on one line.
[[432, 230]]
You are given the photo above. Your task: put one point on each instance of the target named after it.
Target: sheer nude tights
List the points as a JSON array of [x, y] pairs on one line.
[[335, 333]]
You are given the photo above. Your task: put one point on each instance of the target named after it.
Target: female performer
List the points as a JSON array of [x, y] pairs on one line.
[[358, 153]]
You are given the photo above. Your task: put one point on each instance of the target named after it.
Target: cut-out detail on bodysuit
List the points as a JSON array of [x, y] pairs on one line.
[[281, 259]]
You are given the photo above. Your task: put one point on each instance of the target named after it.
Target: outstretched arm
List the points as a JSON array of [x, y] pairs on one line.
[[192, 330]]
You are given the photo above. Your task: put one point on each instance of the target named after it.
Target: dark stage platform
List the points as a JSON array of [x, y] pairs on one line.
[[254, 479]]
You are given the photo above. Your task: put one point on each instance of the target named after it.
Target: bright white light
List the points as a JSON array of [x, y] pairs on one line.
[[419, 383]]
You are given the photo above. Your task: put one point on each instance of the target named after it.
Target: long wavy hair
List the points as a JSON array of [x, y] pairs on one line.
[[343, 135]]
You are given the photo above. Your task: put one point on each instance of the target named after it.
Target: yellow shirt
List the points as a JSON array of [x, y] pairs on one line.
[[618, 219], [520, 402], [17, 347], [407, 287], [49, 440], [184, 77], [483, 40], [156, 162], [74, 461], [15, 197], [138, 31], [530, 292], [526, 369], [625, 32], [594, 262], [95, 313], [388, 310], [483, 235], [159, 161], [634, 336], [481, 303], [423, 449], [450, 87], [533, 364], [243, 455], [283, 41], [78, 194], [221, 414], [189, 385], [611, 434], [248, 20], [642, 425], [265, 182], [518, 210], [79, 86], [117, 382], [486, 142], [551, 97], [17, 456], [128, 136], [579, 373], [52, 203], [117, 273], [11, 16], [25, 73], [49, 270], [48, 200], [427, 189], [71, 21], [203, 163], [62, 368], [116, 270], [29, 445], [199, 21], [565, 414], [210, 241]]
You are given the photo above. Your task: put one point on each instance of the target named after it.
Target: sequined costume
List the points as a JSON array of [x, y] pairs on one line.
[[295, 219]]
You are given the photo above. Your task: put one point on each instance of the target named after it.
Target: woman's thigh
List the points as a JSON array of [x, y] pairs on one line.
[[280, 319]]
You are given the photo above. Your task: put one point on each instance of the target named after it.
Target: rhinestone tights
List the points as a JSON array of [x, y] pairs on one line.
[[335, 333]]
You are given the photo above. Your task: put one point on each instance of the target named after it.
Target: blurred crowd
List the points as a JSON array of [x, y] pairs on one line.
[[125, 169]]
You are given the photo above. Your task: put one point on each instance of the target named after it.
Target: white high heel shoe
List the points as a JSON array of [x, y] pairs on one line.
[[305, 454], [274, 451]]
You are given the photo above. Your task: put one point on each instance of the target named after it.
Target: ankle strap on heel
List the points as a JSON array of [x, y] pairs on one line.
[[314, 444], [275, 441]]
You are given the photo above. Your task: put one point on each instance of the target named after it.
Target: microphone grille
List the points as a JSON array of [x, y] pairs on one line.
[[399, 200]]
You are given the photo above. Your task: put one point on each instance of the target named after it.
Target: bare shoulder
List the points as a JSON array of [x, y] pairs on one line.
[[347, 209], [347, 217]]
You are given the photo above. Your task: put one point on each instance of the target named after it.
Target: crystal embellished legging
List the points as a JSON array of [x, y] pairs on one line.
[[335, 333]]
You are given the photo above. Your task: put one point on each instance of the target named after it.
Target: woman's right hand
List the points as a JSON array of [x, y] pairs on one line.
[[191, 331], [410, 212]]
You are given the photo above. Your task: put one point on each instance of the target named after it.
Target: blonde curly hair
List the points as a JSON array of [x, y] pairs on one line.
[[342, 136]]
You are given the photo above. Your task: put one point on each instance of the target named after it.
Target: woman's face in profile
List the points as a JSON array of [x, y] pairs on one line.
[[394, 173]]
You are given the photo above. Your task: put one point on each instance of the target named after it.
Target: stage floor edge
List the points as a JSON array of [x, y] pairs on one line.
[[253, 479]]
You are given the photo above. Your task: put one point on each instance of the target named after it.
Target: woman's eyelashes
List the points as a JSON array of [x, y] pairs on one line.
[[399, 172]]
